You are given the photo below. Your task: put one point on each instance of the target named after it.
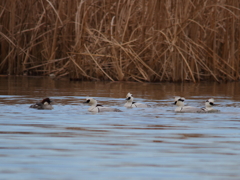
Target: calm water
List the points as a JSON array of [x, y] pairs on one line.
[[69, 143]]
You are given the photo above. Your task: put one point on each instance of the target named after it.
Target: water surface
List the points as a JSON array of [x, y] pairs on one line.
[[69, 142]]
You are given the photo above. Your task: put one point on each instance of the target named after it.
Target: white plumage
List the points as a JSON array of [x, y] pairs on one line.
[[94, 107], [179, 102], [209, 106], [131, 104]]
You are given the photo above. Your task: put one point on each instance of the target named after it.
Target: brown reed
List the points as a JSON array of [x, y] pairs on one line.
[[121, 40]]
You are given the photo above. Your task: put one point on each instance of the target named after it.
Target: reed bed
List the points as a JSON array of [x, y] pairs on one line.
[[121, 40]]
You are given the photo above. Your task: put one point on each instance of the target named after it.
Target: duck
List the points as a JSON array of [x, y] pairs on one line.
[[44, 104], [131, 104], [95, 107], [209, 106], [179, 102]]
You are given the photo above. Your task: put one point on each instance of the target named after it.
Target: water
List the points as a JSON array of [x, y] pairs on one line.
[[69, 143]]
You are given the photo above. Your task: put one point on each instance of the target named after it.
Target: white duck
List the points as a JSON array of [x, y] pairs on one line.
[[179, 101], [209, 106], [130, 102], [95, 107]]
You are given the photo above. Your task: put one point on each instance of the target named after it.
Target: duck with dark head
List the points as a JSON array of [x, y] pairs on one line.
[[44, 104]]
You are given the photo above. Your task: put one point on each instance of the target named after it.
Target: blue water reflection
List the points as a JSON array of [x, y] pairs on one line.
[[69, 142]]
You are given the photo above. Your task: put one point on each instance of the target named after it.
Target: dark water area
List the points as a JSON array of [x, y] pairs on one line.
[[69, 142]]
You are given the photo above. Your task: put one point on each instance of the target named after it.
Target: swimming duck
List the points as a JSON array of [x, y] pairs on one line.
[[179, 101], [44, 104], [209, 106], [130, 102], [95, 107]]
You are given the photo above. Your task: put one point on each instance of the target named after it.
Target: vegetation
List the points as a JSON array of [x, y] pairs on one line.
[[121, 40]]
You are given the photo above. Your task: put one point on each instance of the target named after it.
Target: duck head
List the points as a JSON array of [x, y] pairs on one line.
[[179, 101], [46, 101], [90, 101], [209, 103], [129, 97]]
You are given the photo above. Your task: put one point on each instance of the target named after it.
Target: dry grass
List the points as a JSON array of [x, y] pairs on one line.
[[121, 40]]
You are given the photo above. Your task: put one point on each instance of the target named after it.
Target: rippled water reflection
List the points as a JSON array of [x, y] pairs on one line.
[[68, 142]]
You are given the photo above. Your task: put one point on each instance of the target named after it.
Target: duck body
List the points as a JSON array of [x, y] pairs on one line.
[[188, 109], [44, 104], [209, 106], [179, 102], [94, 107], [135, 105], [131, 104]]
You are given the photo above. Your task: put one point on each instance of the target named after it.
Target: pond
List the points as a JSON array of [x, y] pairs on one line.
[[69, 142]]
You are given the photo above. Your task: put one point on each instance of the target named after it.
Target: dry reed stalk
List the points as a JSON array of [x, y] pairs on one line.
[[47, 63], [84, 73], [152, 40], [98, 65]]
